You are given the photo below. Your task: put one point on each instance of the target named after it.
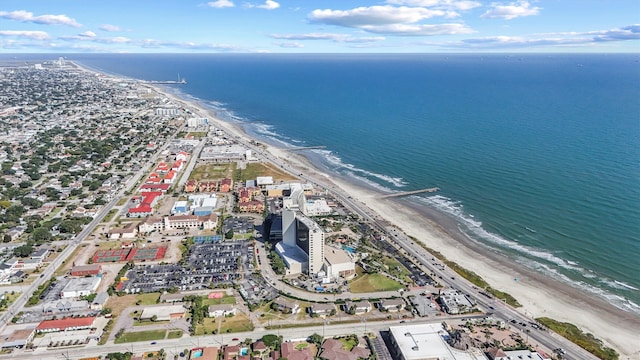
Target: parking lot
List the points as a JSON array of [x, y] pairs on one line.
[[205, 264]]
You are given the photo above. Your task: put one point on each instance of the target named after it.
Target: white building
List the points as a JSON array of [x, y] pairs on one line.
[[221, 310], [427, 341], [77, 287], [338, 263], [298, 231]]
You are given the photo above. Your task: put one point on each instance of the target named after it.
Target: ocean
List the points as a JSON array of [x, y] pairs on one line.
[[537, 155]]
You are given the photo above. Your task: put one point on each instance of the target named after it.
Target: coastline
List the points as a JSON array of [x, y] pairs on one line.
[[540, 296]]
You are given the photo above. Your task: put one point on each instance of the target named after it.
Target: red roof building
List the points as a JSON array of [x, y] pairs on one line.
[[93, 269], [67, 324], [155, 187], [149, 199]]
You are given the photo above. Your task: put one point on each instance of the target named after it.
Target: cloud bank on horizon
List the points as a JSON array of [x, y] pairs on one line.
[[329, 26]]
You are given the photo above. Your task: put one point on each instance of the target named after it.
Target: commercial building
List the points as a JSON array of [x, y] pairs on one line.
[[17, 338], [80, 287], [427, 341], [338, 263], [164, 312], [67, 324], [84, 270]]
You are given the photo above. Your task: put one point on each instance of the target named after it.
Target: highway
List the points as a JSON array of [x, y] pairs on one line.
[[449, 278], [499, 309]]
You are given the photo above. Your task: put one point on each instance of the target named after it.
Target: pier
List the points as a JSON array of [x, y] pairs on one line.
[[413, 192], [305, 148]]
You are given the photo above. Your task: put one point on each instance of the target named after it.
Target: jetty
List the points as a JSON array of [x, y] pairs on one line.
[[305, 148], [413, 192]]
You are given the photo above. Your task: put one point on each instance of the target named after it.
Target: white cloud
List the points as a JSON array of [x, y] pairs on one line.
[[34, 35], [110, 28], [290, 45], [445, 4], [511, 11], [631, 32], [114, 40], [327, 36], [221, 4], [25, 16], [268, 5], [88, 34], [420, 29], [390, 20]]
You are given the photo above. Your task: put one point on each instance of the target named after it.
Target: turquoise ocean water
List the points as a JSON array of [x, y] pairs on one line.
[[537, 156]]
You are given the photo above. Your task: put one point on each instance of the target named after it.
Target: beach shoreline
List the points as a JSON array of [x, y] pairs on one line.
[[539, 295]]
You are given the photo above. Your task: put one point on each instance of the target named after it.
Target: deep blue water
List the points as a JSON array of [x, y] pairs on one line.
[[536, 155]]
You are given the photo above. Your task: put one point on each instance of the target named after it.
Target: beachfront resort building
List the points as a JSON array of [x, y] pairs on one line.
[[302, 245]]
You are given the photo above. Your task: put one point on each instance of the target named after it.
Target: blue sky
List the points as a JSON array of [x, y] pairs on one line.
[[311, 26]]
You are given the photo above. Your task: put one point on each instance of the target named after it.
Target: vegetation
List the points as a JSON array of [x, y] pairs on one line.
[[277, 263], [585, 340], [148, 335], [372, 283], [471, 276]]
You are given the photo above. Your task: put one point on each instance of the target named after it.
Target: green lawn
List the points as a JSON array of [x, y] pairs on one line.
[[231, 300], [141, 336], [174, 334], [211, 171], [207, 326], [237, 323], [372, 283], [148, 299]]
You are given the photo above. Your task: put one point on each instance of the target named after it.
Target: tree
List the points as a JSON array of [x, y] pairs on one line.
[[41, 235], [316, 339], [23, 251], [271, 340], [229, 234]]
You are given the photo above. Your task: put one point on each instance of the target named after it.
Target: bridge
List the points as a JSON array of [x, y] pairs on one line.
[[413, 192]]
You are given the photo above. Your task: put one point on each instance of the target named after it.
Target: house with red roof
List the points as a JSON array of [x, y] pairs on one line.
[[163, 167], [170, 177], [190, 186], [66, 324], [182, 155], [289, 351], [145, 208], [178, 165], [226, 185]]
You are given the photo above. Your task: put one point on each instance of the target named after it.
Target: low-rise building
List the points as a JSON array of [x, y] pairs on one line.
[[84, 270], [77, 287], [221, 310], [338, 263], [66, 324], [163, 313], [357, 307], [17, 338], [391, 305], [286, 306], [322, 309], [99, 301]]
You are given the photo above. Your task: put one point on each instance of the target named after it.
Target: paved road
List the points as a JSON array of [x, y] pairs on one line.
[[73, 244]]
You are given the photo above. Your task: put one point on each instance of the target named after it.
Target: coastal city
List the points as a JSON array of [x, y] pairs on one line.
[[135, 225]]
